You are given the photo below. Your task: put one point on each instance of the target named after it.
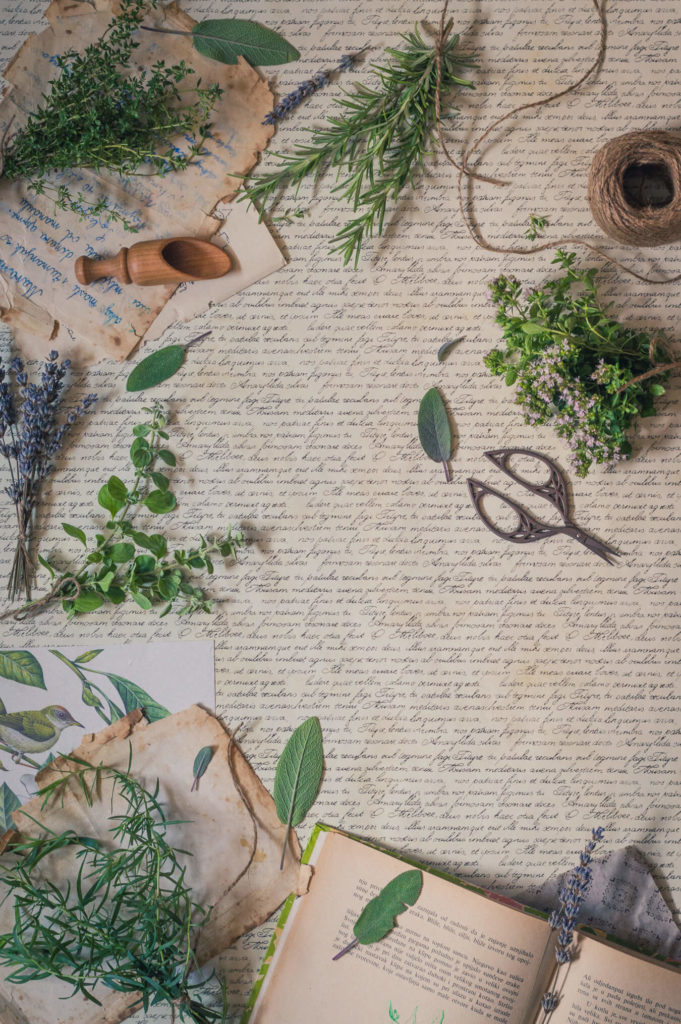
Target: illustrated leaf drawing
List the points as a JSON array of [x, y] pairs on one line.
[[435, 432], [226, 39], [378, 917], [88, 656], [298, 776], [22, 667], [9, 802], [133, 696], [156, 368], [201, 762]]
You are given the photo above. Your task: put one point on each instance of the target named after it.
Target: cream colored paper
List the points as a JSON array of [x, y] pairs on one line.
[[234, 862], [39, 294], [484, 705]]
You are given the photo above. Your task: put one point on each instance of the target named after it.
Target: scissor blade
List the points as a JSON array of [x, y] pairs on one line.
[[598, 547]]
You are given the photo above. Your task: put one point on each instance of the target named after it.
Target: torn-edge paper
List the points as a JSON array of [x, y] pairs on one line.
[[40, 297], [220, 840]]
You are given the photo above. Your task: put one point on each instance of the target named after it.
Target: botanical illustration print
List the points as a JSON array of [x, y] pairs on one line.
[[414, 1018], [49, 698]]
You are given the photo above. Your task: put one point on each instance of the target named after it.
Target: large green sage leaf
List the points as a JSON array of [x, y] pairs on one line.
[[435, 432], [156, 368], [226, 39], [22, 667], [298, 776], [378, 917]]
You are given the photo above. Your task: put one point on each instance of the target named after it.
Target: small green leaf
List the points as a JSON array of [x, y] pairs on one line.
[[167, 456], [82, 659], [116, 595], [142, 600], [160, 480], [22, 667], [378, 917], [121, 552], [145, 564], [657, 389], [298, 776], [201, 762], [435, 432], [160, 502], [140, 453], [107, 500], [9, 802], [88, 602], [105, 581], [46, 565], [73, 531], [511, 376], [117, 489], [156, 368], [530, 328], [226, 39], [141, 430]]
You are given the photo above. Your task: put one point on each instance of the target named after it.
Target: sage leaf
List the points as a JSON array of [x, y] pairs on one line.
[[156, 368], [73, 531], [201, 762], [226, 39], [9, 802], [445, 349], [435, 432], [378, 917], [22, 667], [133, 696], [298, 776]]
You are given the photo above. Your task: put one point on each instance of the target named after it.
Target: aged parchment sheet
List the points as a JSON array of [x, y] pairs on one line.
[[483, 704]]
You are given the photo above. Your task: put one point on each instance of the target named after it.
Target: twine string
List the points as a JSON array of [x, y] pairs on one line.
[[26, 611]]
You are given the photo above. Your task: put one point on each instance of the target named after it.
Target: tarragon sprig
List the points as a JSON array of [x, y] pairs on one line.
[[379, 143]]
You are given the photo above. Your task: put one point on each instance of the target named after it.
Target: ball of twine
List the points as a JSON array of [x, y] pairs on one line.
[[621, 212]]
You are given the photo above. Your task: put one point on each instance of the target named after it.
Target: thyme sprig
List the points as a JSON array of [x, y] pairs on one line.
[[380, 142], [96, 114], [128, 922]]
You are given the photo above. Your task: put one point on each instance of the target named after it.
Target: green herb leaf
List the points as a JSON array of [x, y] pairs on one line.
[[226, 39], [22, 667], [445, 349], [82, 659], [657, 389], [117, 489], [160, 502], [121, 552], [9, 802], [167, 457], [156, 368], [88, 602], [378, 917], [46, 565], [107, 500], [160, 480], [141, 454], [531, 329], [435, 432], [201, 762], [73, 531], [298, 776], [142, 600]]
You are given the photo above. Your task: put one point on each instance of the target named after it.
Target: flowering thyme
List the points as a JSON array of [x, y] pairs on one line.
[[29, 440], [564, 919], [574, 366]]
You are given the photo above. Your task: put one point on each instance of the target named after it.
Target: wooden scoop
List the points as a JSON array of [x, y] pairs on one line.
[[160, 261]]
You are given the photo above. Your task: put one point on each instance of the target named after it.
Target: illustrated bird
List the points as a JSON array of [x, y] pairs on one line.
[[29, 732]]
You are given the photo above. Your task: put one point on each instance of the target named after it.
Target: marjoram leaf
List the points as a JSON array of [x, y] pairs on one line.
[[226, 39], [378, 917], [156, 368], [201, 762], [22, 667], [298, 776], [435, 432]]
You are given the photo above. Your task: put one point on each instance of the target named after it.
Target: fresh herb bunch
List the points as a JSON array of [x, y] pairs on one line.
[[129, 923], [125, 562], [574, 365], [29, 440], [96, 114], [381, 140]]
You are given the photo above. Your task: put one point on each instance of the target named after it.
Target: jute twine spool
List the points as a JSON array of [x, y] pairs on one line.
[[621, 204]]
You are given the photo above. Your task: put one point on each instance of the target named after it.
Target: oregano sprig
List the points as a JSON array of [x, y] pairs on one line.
[[125, 562]]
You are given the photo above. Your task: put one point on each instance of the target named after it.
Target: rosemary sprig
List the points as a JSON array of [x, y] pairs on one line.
[[380, 142], [128, 922], [96, 114]]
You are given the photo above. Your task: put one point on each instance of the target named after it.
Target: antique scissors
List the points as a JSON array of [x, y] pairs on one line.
[[528, 528]]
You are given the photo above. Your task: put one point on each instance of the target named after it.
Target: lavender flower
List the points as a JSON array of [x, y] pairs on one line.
[[29, 439], [311, 85], [564, 919]]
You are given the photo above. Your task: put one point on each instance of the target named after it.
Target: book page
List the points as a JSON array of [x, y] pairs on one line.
[[454, 956], [483, 704], [607, 985]]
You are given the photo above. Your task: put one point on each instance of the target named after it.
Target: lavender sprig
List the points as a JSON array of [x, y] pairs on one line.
[[29, 440], [564, 919], [318, 81]]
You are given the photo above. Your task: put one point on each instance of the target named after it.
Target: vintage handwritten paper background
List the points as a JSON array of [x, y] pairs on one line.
[[483, 705]]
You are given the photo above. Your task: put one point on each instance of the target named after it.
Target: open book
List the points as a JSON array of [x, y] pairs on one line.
[[458, 956]]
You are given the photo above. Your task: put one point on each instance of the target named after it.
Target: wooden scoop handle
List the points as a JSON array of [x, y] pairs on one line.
[[88, 270]]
